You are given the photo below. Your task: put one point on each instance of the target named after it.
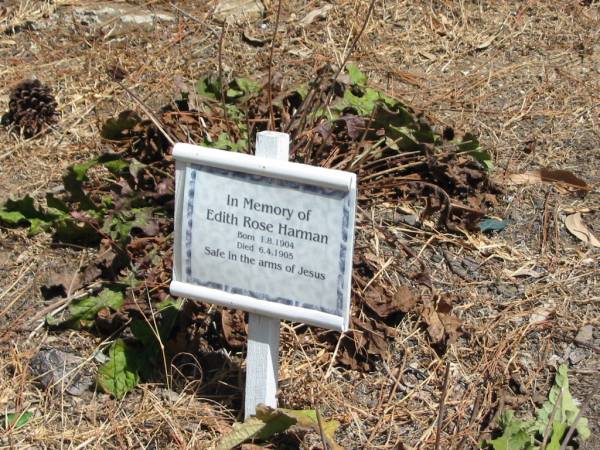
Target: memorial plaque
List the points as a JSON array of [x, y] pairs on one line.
[[266, 236]]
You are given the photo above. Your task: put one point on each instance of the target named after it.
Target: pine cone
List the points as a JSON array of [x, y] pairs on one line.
[[31, 108]]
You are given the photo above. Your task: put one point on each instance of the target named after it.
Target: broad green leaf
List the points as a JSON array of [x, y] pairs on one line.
[[223, 142], [25, 206], [246, 85], [405, 138], [83, 312], [470, 145], [269, 421], [209, 87], [24, 211], [356, 76], [56, 206], [363, 100], [363, 104], [169, 313], [69, 231], [120, 226], [240, 87], [484, 157], [566, 411], [36, 226], [396, 116], [308, 419], [16, 420], [516, 434], [233, 93], [302, 91], [88, 307], [77, 174], [522, 435], [146, 333], [73, 182], [236, 115], [558, 431], [240, 433], [107, 202], [116, 166], [274, 420], [120, 374], [80, 170], [12, 217]]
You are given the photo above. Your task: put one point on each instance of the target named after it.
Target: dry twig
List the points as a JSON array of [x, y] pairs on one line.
[[440, 418]]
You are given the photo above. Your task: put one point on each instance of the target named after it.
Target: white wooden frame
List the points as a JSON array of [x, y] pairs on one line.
[[186, 154], [272, 152]]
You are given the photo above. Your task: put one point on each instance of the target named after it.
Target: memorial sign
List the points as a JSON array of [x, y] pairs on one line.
[[267, 236]]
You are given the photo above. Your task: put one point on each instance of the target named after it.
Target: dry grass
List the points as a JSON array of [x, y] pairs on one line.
[[525, 76]]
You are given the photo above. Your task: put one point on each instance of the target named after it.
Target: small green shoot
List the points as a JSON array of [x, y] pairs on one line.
[[529, 434]]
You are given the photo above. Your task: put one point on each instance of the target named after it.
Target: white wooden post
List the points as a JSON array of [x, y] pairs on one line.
[[262, 362]]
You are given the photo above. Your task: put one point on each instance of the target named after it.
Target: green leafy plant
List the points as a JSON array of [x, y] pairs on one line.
[[553, 420], [268, 422], [210, 87], [470, 144], [83, 312], [25, 212], [58, 216], [16, 420], [121, 373], [128, 363], [356, 75]]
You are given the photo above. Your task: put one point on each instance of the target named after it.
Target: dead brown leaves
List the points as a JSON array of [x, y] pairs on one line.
[[443, 326], [563, 179], [385, 306], [234, 328], [364, 344], [579, 229], [370, 337]]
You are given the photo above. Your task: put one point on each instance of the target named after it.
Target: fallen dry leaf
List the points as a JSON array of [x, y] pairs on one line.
[[319, 13], [442, 325], [238, 10], [403, 301], [61, 283], [541, 314], [485, 44], [366, 342], [577, 228], [563, 178], [234, 327], [527, 270]]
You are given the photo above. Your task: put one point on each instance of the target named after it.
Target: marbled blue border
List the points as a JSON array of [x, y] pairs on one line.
[[192, 172]]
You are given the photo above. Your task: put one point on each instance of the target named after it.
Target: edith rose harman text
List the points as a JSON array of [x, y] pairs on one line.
[[282, 229], [258, 225]]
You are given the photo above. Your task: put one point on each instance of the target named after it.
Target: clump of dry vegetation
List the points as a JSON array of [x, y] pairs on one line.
[[475, 274]]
